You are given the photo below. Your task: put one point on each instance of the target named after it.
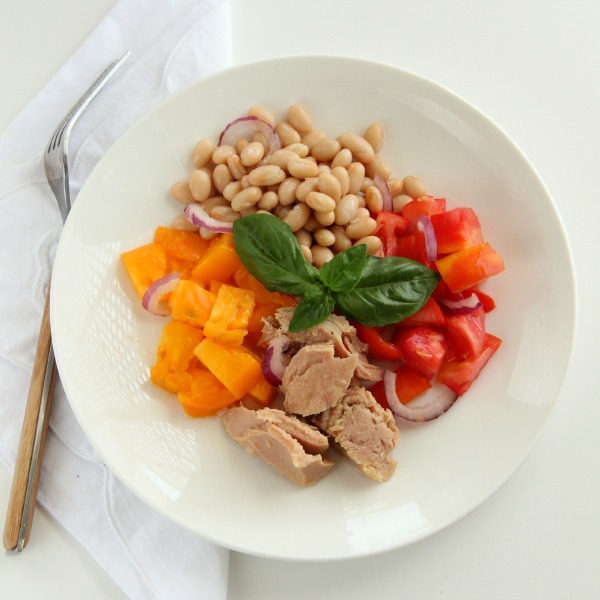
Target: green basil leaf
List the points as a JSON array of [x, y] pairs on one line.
[[316, 306], [389, 290], [344, 270], [271, 253]]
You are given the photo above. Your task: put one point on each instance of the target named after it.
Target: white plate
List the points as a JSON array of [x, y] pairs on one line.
[[187, 468]]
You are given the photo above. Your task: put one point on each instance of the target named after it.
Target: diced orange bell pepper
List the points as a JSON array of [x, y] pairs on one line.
[[182, 267], [191, 303], [263, 392], [219, 262], [171, 381], [181, 245], [255, 323], [144, 265], [214, 286], [469, 267], [229, 317], [175, 356], [234, 366], [206, 395], [177, 344]]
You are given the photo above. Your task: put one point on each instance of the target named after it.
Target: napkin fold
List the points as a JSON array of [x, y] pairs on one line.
[[172, 44]]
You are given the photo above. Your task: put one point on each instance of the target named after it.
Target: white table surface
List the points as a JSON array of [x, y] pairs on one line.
[[534, 67]]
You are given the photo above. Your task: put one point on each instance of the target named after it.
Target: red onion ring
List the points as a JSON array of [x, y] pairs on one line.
[[437, 406], [273, 365], [196, 215], [245, 127], [462, 306], [424, 225], [383, 187], [162, 286]]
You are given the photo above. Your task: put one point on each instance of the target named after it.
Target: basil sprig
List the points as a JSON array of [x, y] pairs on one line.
[[372, 291]]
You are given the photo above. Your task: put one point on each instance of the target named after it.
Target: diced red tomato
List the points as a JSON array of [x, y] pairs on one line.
[[466, 333], [458, 373], [389, 227], [426, 206], [412, 246], [378, 391], [469, 267], [409, 385], [423, 349], [378, 347], [456, 229], [429, 314]]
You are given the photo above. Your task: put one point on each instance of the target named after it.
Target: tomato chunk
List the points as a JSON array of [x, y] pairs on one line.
[[466, 333], [409, 385], [423, 349], [412, 246], [459, 373], [423, 207], [469, 267], [429, 314], [456, 229], [389, 227], [378, 347]]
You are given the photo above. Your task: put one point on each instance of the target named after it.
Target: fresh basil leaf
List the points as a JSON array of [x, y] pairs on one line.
[[316, 306], [271, 253], [343, 271], [389, 290]]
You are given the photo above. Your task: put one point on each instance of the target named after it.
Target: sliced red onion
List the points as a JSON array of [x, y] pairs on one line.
[[381, 183], [462, 306], [245, 127], [162, 286], [196, 215], [442, 400], [424, 225], [273, 364]]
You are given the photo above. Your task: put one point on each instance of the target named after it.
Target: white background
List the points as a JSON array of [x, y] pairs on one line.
[[534, 68]]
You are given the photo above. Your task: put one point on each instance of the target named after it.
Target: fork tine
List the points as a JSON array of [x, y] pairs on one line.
[[64, 126]]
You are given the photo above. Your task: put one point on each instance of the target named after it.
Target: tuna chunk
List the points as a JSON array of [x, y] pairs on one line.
[[310, 438], [364, 431], [282, 441], [315, 380], [335, 330]]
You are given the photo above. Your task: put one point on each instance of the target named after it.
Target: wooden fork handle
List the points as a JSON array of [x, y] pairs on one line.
[[21, 504]]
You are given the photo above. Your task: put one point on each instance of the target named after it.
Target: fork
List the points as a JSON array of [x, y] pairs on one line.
[[21, 504]]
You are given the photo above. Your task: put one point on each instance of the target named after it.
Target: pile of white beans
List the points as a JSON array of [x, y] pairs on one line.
[[321, 187]]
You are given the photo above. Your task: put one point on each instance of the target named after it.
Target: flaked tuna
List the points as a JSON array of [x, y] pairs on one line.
[[364, 431], [289, 445], [316, 380]]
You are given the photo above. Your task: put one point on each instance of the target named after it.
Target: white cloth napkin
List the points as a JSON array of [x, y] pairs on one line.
[[172, 44]]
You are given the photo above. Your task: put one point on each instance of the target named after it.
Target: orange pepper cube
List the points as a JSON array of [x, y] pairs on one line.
[[233, 307], [144, 265], [234, 366], [181, 245], [219, 262], [177, 344], [206, 395], [191, 303], [263, 392], [229, 318], [175, 356], [170, 381]]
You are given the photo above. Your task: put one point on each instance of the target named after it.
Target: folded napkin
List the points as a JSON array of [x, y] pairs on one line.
[[172, 44]]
